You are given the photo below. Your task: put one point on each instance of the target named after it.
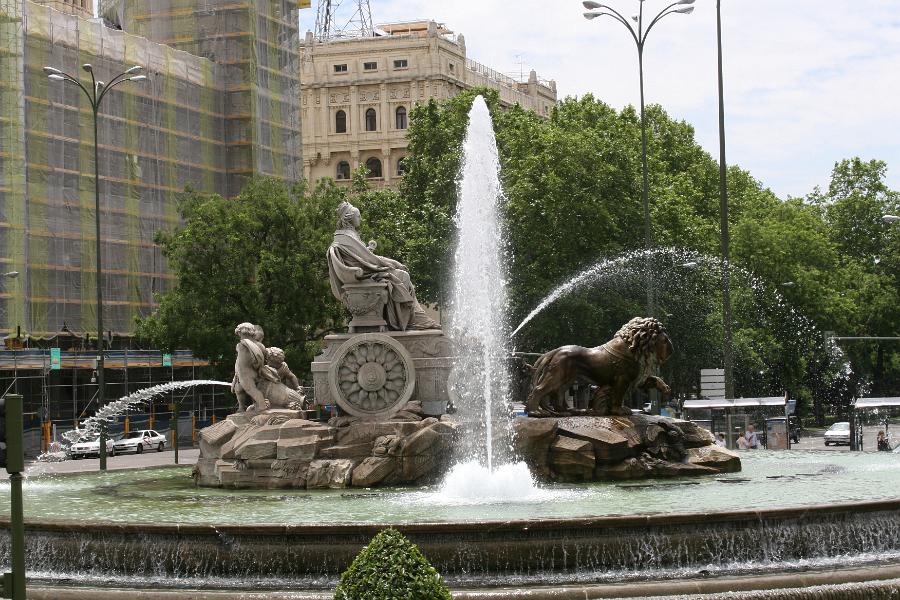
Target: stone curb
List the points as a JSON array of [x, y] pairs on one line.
[[873, 583]]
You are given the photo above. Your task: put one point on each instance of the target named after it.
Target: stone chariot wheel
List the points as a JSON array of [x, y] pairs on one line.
[[372, 376]]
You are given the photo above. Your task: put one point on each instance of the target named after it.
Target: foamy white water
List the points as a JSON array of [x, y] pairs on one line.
[[473, 483]]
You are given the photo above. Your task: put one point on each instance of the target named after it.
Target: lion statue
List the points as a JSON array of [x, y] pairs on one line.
[[626, 362]]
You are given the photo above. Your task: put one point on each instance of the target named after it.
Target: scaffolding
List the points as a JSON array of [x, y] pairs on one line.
[[220, 105]]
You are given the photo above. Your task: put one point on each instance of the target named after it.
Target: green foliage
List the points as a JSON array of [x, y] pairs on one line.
[[573, 198], [258, 258], [391, 568]]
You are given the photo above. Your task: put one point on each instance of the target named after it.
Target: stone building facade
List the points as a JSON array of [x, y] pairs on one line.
[[357, 93]]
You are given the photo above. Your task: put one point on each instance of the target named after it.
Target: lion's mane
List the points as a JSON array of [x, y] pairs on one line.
[[641, 334]]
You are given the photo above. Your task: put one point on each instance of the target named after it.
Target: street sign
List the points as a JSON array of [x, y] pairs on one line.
[[712, 383], [167, 360], [55, 359]]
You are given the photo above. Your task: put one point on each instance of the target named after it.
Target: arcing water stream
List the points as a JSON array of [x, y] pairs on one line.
[[90, 427]]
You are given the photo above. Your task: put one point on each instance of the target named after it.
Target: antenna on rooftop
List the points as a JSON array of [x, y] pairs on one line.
[[337, 19]]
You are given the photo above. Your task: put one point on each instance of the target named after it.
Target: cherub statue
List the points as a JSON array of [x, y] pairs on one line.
[[251, 358], [275, 360], [261, 374]]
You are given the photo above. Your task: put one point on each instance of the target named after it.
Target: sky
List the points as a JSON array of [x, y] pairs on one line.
[[807, 82]]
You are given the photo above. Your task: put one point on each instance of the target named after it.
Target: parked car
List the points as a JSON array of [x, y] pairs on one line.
[[140, 441], [92, 448], [839, 433]]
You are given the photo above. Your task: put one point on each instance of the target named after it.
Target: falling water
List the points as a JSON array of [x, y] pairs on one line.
[[478, 308], [90, 427]]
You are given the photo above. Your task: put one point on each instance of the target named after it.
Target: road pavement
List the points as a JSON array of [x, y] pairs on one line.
[[113, 463]]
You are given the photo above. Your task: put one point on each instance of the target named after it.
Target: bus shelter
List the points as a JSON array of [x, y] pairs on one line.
[[871, 415], [732, 416]]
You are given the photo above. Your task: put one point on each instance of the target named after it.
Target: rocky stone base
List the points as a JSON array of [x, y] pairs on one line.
[[600, 448], [278, 448]]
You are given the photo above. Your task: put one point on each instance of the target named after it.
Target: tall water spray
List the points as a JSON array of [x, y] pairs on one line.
[[477, 316]]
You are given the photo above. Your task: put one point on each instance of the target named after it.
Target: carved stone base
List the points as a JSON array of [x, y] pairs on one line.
[[370, 375], [634, 447], [280, 449]]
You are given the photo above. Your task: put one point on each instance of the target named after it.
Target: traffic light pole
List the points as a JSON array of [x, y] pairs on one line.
[[14, 583]]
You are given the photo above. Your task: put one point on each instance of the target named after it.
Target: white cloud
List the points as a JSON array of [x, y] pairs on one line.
[[807, 82]]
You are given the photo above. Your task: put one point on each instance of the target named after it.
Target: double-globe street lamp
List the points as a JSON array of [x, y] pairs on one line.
[[640, 37], [95, 95]]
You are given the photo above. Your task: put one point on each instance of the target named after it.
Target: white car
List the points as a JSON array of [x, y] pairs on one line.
[[91, 448], [839, 433], [141, 441]]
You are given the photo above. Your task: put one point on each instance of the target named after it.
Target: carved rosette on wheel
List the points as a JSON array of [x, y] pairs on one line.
[[372, 376]]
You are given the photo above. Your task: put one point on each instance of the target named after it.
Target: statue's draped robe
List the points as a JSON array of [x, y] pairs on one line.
[[350, 261]]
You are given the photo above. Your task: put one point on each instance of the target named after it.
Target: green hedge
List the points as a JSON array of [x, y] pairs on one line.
[[391, 568]]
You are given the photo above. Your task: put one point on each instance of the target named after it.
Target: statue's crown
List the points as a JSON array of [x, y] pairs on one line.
[[343, 208]]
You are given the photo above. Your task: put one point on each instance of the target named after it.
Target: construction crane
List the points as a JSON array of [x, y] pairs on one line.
[[337, 19]]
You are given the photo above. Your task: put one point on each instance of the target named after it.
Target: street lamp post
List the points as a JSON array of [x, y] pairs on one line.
[[95, 96], [639, 36], [727, 341]]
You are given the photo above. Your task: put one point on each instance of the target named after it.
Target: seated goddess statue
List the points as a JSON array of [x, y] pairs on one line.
[[351, 261]]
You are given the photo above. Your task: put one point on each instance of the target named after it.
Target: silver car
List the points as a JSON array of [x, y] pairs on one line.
[[839, 433], [140, 441], [91, 448]]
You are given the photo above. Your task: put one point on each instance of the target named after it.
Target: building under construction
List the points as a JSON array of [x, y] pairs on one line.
[[220, 105]]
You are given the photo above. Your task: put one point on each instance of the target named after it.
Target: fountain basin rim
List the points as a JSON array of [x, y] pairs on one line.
[[608, 521]]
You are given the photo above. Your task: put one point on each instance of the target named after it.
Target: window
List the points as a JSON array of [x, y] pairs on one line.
[[401, 63], [373, 165], [371, 120], [340, 122], [401, 117], [340, 68], [370, 66], [452, 67], [401, 167], [343, 170]]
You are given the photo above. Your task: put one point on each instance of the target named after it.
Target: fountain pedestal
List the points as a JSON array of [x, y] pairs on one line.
[[373, 375], [277, 448], [601, 448]]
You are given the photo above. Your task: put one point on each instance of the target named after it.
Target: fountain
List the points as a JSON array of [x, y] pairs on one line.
[[487, 524]]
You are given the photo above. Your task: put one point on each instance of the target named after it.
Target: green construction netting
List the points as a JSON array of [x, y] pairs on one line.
[[220, 105]]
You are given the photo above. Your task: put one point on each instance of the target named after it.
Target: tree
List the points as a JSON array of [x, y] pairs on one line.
[[853, 206], [572, 187], [257, 258]]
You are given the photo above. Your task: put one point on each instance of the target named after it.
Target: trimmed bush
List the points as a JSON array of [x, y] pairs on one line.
[[391, 568]]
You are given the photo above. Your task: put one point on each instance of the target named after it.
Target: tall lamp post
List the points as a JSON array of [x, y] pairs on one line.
[[640, 37], [95, 95], [728, 341]]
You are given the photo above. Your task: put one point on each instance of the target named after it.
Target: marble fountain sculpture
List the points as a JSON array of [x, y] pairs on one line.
[[388, 375]]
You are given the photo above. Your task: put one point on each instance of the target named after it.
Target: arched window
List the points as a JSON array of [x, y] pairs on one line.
[[401, 117], [343, 170], [401, 167], [371, 120], [373, 165], [340, 122]]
